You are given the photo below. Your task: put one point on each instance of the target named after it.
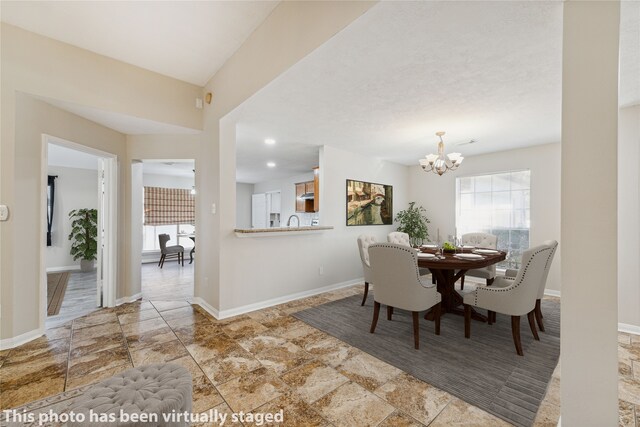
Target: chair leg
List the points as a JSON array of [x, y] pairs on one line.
[[376, 313], [366, 292], [437, 311], [515, 331], [462, 283], [538, 314], [182, 256], [162, 260], [467, 321], [433, 279], [490, 317], [389, 312], [490, 282], [532, 324], [493, 317], [416, 329]]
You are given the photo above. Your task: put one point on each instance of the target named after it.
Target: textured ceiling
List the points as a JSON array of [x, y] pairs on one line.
[[187, 40]]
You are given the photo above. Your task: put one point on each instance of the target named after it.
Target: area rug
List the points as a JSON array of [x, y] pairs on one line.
[[56, 287], [484, 370]]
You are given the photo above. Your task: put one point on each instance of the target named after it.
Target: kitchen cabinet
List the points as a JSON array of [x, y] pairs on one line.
[[308, 194]]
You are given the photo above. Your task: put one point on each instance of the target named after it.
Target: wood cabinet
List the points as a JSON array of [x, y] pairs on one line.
[[309, 187], [300, 187]]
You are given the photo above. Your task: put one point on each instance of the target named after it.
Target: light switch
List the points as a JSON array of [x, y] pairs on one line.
[[213, 208], [4, 212]]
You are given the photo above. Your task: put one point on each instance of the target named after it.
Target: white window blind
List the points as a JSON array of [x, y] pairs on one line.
[[498, 204]]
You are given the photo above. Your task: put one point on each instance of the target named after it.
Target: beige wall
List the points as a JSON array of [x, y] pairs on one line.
[[291, 31], [629, 217], [21, 274], [35, 65], [438, 193]]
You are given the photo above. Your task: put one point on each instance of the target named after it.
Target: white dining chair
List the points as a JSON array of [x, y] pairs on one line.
[[398, 285], [514, 297], [511, 273], [480, 240], [364, 242], [399, 238]]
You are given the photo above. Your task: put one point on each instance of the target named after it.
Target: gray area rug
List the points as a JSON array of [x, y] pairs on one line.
[[484, 370]]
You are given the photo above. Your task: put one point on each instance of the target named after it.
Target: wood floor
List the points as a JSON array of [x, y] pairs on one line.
[[171, 282], [79, 298]]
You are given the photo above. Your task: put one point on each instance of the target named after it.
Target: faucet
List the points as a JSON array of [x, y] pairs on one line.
[[289, 220]]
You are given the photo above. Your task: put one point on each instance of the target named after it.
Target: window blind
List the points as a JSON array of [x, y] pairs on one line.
[[168, 206]]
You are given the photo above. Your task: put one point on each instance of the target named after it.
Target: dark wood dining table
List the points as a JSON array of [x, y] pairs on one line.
[[448, 271]]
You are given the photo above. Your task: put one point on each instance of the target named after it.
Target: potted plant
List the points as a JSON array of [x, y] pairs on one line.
[[413, 221], [84, 236]]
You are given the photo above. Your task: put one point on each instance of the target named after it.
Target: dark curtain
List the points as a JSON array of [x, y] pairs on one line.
[[51, 193]]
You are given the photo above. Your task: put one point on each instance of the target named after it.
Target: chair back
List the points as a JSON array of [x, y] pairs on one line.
[[364, 241], [480, 240], [526, 285], [163, 239], [553, 244], [399, 238], [397, 279]]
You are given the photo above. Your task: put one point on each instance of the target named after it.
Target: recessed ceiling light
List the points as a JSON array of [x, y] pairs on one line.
[[271, 165], [269, 141]]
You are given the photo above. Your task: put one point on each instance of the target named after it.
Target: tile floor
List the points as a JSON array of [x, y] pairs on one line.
[[261, 361], [172, 281]]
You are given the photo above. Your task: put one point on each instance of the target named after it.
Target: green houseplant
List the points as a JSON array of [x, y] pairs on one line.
[[413, 221], [84, 236]]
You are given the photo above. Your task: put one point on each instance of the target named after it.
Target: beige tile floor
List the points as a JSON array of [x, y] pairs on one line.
[[262, 361]]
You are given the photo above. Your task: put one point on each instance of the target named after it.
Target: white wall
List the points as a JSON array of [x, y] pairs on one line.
[[75, 189], [438, 193], [287, 188], [167, 181], [243, 204], [287, 265], [628, 216]]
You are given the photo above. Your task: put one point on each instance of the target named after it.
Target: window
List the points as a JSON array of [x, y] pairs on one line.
[[150, 233], [497, 204], [168, 211]]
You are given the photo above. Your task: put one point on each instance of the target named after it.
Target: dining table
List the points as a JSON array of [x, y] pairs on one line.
[[448, 268], [192, 236]]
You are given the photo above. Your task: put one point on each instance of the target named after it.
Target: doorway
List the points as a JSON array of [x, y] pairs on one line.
[[166, 206], [78, 263]]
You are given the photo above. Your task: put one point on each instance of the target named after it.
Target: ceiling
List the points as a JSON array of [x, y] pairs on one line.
[[66, 157], [178, 168], [187, 40], [489, 71]]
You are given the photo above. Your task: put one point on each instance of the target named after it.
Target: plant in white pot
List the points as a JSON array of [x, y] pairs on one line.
[[84, 236]]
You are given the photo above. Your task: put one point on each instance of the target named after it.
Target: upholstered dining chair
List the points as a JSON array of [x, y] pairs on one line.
[[169, 251], [515, 297], [364, 242], [398, 285], [553, 244], [399, 238], [480, 240]]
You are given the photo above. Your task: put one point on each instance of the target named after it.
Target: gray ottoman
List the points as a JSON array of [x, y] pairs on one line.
[[142, 394]]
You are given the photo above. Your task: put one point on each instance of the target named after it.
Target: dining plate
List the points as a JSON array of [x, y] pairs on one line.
[[429, 246], [468, 247], [468, 256], [485, 251], [426, 255]]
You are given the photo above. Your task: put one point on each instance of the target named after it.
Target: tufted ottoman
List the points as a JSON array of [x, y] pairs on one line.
[[137, 397]]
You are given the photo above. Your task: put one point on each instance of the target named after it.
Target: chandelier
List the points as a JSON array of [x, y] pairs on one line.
[[439, 163]]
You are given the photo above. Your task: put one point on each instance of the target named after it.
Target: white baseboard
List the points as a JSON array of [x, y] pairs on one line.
[[223, 314], [20, 339], [552, 293], [63, 268], [132, 298], [630, 329]]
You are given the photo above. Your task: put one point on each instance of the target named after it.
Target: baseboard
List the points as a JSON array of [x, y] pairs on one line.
[[552, 293], [67, 268], [126, 300], [629, 329], [223, 314], [20, 339]]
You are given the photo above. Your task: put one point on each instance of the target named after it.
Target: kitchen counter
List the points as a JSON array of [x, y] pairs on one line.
[[280, 231]]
